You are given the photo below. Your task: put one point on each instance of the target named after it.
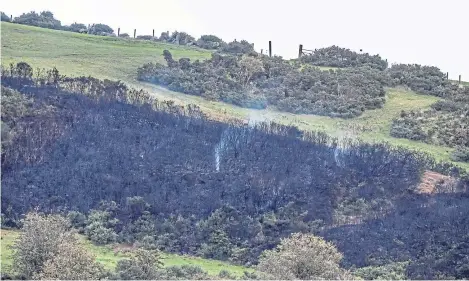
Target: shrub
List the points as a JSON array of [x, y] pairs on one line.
[[101, 29], [255, 82], [303, 257], [335, 56], [5, 17], [76, 27], [44, 19]]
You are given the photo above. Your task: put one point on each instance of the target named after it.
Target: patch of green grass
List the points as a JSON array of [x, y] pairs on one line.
[[117, 58], [109, 258], [8, 238], [83, 54]]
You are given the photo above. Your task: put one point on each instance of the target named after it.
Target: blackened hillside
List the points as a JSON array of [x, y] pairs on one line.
[[219, 190]]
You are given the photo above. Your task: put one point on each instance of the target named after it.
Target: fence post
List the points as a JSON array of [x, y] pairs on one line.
[[447, 75], [153, 33], [459, 78], [118, 31], [11, 18], [262, 51], [270, 48], [135, 32], [300, 51]]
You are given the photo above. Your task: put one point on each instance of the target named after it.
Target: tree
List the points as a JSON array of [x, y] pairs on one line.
[[101, 29], [39, 241], [99, 227], [143, 265], [303, 256], [76, 27], [45, 19], [72, 262], [210, 42], [5, 17]]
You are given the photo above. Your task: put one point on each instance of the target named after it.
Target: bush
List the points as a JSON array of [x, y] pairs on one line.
[[39, 242], [101, 29], [335, 56], [256, 82], [145, 37], [143, 265], [5, 17], [303, 257], [461, 154], [44, 19], [124, 35], [210, 42], [76, 27], [235, 47]]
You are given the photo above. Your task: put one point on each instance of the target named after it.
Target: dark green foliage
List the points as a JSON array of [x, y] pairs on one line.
[[44, 19], [5, 17], [238, 47], [101, 29], [210, 42], [461, 154], [104, 141], [76, 27], [178, 38], [335, 56], [256, 82], [183, 272], [427, 80], [143, 265], [393, 271], [124, 35], [144, 37], [446, 123]]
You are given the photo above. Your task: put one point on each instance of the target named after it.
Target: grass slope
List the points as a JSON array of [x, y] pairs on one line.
[[116, 58], [105, 255]]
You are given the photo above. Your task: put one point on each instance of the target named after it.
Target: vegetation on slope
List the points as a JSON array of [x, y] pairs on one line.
[[446, 122], [335, 56], [110, 255], [131, 169], [105, 57], [257, 81]]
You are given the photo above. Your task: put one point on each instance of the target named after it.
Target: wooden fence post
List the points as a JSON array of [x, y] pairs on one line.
[[262, 51], [447, 75], [459, 78], [153, 33], [11, 18], [300, 51], [135, 32], [118, 31], [270, 48]]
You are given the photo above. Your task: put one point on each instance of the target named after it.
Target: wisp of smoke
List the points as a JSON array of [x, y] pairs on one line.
[[242, 136]]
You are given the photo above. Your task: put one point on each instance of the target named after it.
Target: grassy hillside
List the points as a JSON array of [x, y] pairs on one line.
[[116, 58], [106, 256]]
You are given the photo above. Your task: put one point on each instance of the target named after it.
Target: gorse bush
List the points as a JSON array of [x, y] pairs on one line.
[[446, 122], [257, 81], [335, 56]]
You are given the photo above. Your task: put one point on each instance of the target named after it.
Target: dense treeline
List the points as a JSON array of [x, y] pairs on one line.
[[335, 56], [257, 81], [446, 122], [128, 168]]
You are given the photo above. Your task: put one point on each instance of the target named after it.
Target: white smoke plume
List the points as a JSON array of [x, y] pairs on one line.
[[228, 138]]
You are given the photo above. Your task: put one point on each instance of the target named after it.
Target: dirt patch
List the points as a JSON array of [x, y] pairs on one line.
[[433, 182]]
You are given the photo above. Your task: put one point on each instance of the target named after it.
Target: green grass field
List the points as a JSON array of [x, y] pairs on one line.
[[116, 58], [105, 255]]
